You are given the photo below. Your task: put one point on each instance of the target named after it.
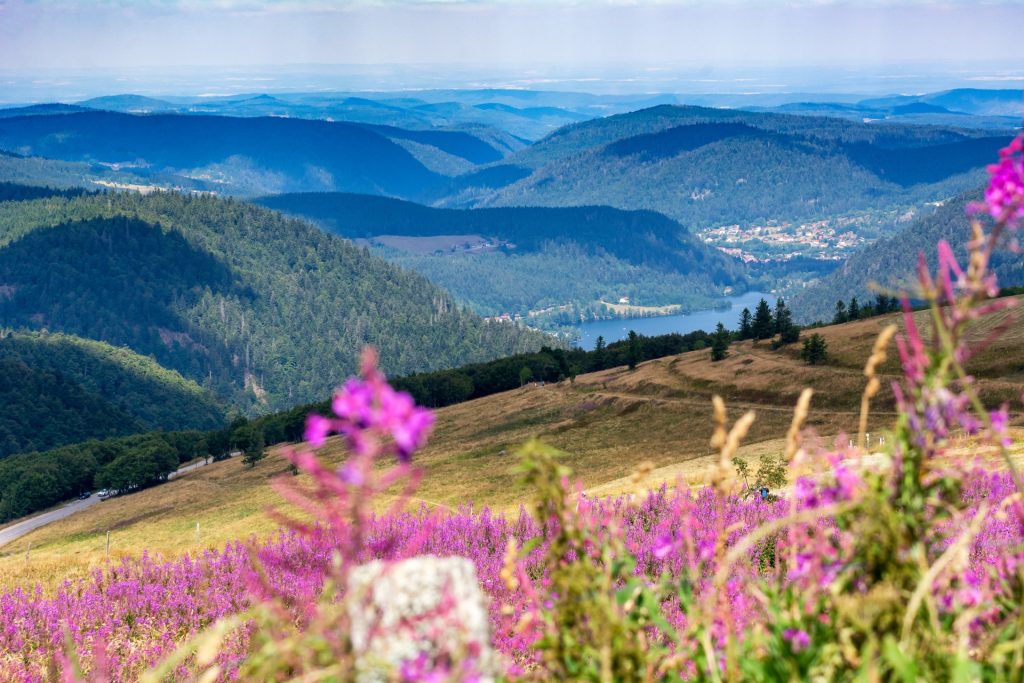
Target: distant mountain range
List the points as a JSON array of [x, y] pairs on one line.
[[700, 166], [532, 114], [707, 167]]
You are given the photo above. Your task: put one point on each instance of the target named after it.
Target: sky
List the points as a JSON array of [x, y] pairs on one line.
[[468, 39]]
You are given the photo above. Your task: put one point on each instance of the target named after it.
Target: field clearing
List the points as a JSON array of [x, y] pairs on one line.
[[606, 423], [430, 244]]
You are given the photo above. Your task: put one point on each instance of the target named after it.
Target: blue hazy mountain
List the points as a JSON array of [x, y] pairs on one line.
[[706, 167]]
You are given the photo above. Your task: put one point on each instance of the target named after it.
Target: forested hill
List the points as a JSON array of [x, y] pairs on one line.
[[556, 265], [263, 310], [891, 262], [637, 237], [709, 167], [58, 389], [254, 155]]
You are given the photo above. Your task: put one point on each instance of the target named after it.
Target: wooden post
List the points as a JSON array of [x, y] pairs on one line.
[[197, 533], [29, 550], [108, 546]]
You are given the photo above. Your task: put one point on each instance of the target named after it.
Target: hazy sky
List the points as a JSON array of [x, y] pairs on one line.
[[560, 35], [112, 33]]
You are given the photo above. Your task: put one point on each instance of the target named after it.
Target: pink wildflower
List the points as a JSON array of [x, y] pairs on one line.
[[1004, 196], [798, 639]]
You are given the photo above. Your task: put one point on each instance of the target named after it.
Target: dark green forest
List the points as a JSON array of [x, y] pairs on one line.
[[30, 482], [264, 311], [59, 389], [548, 257]]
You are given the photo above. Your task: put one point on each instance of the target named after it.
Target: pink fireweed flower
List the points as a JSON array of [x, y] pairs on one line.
[[317, 430], [1004, 196], [798, 639], [1000, 421], [664, 546], [370, 405]]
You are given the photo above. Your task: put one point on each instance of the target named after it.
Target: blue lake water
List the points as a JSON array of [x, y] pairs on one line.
[[614, 330]]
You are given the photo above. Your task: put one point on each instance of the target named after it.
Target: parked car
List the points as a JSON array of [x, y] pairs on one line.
[[104, 494], [84, 495]]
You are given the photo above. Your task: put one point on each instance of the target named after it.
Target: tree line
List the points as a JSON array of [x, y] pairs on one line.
[[30, 482]]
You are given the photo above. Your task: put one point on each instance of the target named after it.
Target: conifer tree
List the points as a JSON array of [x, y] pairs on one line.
[[719, 344], [853, 312], [746, 324], [633, 352], [815, 349], [840, 317], [764, 325]]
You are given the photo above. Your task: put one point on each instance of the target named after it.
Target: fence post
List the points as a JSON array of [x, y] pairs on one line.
[[197, 533], [27, 551], [108, 545]]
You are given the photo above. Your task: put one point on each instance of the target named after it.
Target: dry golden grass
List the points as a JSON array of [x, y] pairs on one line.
[[606, 422]]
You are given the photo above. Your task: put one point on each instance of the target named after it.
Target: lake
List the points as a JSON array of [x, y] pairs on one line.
[[614, 330]]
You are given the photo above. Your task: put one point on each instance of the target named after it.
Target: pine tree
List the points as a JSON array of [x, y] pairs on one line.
[[881, 304], [633, 352], [815, 349], [840, 317], [599, 353], [782, 318], [249, 440], [853, 312], [746, 324], [719, 344], [764, 325]]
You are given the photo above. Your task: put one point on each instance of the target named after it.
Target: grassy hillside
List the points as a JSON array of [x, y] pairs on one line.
[[889, 261], [265, 311], [538, 257], [60, 389], [707, 167], [607, 422]]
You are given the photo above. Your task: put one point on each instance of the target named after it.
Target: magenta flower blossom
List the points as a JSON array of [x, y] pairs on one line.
[[798, 639], [664, 545], [368, 407], [1004, 197], [1000, 422], [317, 430]]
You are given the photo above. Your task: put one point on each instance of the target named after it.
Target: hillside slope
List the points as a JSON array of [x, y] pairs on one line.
[[708, 167], [537, 256], [265, 311], [606, 422], [888, 262], [60, 389]]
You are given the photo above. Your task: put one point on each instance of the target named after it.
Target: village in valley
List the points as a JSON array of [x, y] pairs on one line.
[[830, 239]]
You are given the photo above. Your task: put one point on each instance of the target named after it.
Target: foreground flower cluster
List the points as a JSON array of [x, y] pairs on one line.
[[910, 569], [130, 616]]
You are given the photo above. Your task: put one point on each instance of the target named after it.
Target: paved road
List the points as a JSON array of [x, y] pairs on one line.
[[19, 529]]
